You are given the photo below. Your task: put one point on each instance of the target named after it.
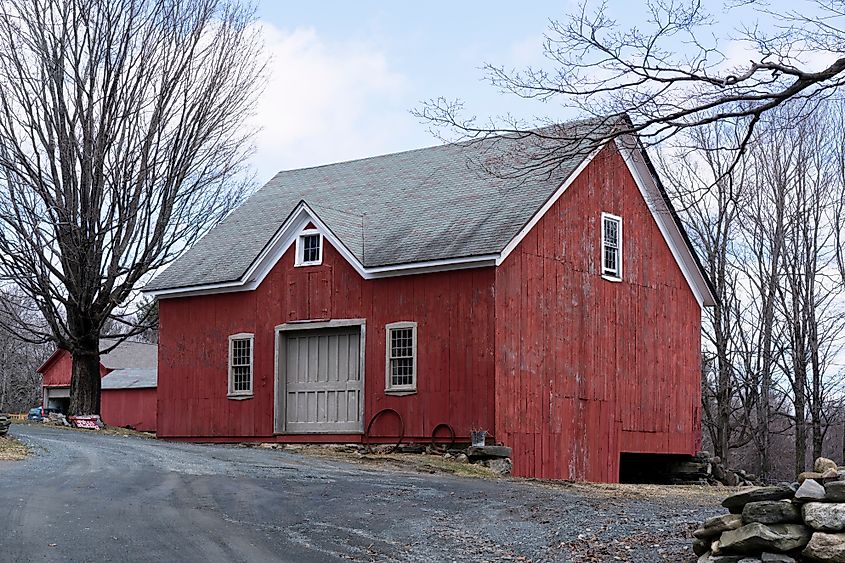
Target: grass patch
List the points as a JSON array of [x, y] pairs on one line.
[[108, 430], [421, 463], [643, 492], [11, 449]]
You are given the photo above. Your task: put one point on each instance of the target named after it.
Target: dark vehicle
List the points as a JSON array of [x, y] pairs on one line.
[[5, 421], [40, 413]]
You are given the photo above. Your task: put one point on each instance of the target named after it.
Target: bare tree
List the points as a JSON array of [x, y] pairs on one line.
[[669, 73], [697, 160], [809, 295], [121, 142], [20, 384]]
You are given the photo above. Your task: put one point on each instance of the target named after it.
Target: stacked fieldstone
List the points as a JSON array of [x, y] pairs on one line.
[[803, 521]]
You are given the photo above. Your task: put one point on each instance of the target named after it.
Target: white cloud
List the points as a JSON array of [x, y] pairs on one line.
[[327, 102]]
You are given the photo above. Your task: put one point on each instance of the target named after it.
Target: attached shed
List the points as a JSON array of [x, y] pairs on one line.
[[415, 293], [129, 376], [129, 398]]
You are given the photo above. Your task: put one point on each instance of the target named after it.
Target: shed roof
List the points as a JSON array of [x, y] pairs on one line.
[[443, 202], [129, 354], [131, 378]]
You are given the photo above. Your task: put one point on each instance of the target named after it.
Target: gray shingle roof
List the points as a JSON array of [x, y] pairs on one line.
[[130, 354], [426, 204], [131, 378]]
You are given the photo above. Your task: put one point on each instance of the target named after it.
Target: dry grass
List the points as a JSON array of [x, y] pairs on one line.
[[439, 464], [620, 490], [421, 463], [109, 430], [11, 449]]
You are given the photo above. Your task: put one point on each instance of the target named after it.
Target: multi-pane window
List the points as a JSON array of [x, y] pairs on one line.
[[240, 364], [309, 248], [402, 356], [611, 246]]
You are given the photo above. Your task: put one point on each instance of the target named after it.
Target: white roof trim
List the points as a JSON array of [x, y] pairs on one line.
[[303, 214], [287, 235], [647, 184]]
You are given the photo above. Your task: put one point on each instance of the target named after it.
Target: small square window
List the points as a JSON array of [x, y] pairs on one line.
[[309, 248], [611, 246], [401, 357]]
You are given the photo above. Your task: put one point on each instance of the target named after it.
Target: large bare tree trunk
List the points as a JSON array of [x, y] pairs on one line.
[[85, 380]]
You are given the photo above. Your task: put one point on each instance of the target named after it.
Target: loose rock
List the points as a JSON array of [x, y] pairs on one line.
[[822, 464], [500, 466], [771, 512], [710, 558], [829, 548], [830, 475], [718, 524], [809, 475], [825, 517], [810, 490], [835, 491], [756, 537], [736, 502], [776, 558], [700, 546]]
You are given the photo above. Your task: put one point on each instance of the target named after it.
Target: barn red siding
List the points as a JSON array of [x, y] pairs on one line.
[[135, 408], [588, 368], [57, 372], [454, 312]]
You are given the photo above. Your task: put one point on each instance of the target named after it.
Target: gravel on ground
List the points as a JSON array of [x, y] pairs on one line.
[[89, 496]]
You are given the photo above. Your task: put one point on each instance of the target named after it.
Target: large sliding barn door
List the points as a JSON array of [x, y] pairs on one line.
[[322, 388]]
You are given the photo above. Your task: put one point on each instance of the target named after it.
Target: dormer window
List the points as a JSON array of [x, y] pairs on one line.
[[309, 248]]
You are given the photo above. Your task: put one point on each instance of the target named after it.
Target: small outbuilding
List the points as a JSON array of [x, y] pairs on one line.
[[129, 382]]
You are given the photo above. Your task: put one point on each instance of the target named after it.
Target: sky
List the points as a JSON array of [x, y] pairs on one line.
[[344, 76]]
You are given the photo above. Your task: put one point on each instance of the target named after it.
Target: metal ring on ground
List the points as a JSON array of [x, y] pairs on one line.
[[451, 443], [370, 427]]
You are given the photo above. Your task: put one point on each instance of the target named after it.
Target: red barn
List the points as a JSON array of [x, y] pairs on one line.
[[559, 311], [128, 373]]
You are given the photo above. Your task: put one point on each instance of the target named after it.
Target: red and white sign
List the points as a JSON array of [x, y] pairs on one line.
[[90, 422]]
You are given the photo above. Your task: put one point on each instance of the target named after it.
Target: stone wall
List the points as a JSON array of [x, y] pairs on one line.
[[801, 521]]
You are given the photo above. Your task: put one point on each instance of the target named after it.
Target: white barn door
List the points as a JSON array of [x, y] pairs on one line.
[[322, 387]]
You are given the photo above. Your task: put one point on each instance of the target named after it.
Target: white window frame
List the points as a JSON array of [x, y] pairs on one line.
[[241, 394], [300, 248], [607, 274], [389, 388]]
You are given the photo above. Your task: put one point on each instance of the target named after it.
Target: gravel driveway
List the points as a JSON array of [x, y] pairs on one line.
[[90, 497]]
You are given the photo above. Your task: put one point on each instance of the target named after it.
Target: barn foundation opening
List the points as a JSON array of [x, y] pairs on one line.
[[662, 469]]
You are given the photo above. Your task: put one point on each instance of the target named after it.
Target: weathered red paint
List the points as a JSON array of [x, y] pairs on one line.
[[57, 370], [588, 368], [454, 383], [565, 367], [134, 408], [119, 407]]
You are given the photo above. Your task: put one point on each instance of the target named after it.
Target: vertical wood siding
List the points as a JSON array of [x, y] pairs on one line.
[[454, 312], [135, 408], [58, 372], [588, 368]]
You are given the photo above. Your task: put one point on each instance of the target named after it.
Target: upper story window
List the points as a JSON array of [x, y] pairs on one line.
[[309, 248], [611, 246], [401, 357], [240, 365]]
